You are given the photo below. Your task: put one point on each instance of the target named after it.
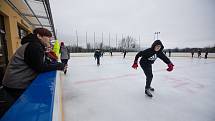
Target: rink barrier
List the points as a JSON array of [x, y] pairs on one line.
[[42, 100], [173, 54]]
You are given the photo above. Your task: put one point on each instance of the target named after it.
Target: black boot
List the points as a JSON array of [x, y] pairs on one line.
[[65, 71], [151, 89], [148, 93]]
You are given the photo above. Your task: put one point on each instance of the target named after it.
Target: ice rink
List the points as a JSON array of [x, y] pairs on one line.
[[115, 92]]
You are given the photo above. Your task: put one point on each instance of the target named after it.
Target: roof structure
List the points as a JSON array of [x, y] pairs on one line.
[[36, 12]]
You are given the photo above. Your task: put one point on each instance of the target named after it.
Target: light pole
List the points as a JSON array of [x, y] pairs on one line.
[[109, 39], [77, 38], [102, 41], [139, 42], [116, 41], [156, 33], [94, 37], [86, 39], [122, 42]]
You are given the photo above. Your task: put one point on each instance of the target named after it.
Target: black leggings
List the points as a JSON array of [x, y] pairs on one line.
[[98, 60], [147, 68], [65, 61]]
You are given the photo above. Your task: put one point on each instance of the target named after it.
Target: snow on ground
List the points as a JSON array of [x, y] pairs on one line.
[[115, 92]]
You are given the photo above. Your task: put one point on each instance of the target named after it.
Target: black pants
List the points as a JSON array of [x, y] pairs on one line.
[[65, 61], [1, 75], [7, 97], [147, 68], [98, 60]]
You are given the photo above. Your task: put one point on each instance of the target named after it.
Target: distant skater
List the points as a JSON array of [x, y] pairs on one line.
[[111, 53], [124, 53], [97, 56], [65, 55], [169, 53], [199, 53], [192, 53], [148, 57], [206, 54]]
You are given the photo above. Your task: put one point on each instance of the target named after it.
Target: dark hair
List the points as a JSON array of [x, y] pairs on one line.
[[62, 44], [42, 32], [157, 42]]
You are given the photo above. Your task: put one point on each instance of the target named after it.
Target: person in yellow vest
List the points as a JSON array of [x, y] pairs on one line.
[[56, 48]]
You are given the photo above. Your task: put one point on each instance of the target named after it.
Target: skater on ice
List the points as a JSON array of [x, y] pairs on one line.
[[65, 55], [192, 53], [124, 53], [148, 57], [206, 54], [97, 56], [199, 53], [111, 52], [170, 53]]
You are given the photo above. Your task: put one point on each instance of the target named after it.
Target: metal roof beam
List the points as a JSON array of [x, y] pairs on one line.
[[25, 16], [38, 16], [50, 16], [39, 0], [42, 25]]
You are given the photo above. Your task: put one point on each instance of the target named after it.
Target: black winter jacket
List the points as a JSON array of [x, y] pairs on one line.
[[149, 55], [97, 54]]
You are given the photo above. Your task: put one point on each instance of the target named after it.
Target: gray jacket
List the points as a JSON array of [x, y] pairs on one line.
[[18, 74], [64, 52]]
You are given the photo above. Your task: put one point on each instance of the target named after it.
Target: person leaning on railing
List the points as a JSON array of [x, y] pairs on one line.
[[28, 61]]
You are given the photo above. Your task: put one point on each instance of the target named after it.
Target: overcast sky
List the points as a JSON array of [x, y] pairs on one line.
[[181, 23]]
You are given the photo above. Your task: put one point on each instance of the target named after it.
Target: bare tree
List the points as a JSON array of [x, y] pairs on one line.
[[101, 45], [88, 46], [128, 42]]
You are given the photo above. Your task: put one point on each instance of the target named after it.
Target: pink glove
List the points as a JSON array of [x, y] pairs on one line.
[[170, 67], [135, 65]]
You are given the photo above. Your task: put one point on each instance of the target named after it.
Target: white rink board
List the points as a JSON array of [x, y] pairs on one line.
[[210, 55]]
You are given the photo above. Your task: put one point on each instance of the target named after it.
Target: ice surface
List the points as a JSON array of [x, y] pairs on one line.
[[115, 92]]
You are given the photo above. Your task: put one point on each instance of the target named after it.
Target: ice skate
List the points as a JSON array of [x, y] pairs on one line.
[[148, 93], [65, 71]]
